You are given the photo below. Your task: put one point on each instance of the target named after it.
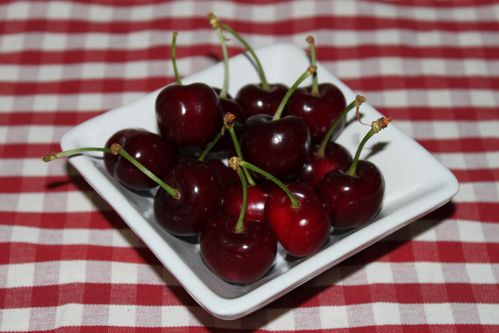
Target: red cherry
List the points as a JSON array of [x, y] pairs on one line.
[[237, 257], [302, 231], [148, 148], [200, 198], [227, 176], [352, 201], [354, 197], [281, 147], [188, 115], [254, 99], [318, 110], [335, 157], [318, 104]]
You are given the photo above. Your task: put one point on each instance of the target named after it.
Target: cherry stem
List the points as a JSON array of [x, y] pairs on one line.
[[229, 125], [210, 145], [313, 61], [327, 137], [236, 161], [174, 58], [239, 228], [215, 23], [376, 126], [261, 73], [116, 149], [71, 152], [310, 70]]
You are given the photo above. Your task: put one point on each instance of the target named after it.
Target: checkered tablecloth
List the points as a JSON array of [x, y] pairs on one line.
[[68, 263]]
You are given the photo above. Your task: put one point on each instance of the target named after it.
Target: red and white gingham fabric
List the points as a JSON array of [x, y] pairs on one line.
[[68, 263]]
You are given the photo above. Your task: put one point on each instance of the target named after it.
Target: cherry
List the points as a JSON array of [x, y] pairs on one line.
[[318, 104], [318, 109], [353, 197], [187, 115], [227, 175], [301, 230], [148, 148], [199, 198], [295, 214], [335, 157], [116, 149], [281, 146], [237, 257], [329, 155], [257, 98], [235, 249], [193, 196]]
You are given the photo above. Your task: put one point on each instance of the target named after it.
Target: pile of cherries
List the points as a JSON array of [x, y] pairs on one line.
[[286, 181]]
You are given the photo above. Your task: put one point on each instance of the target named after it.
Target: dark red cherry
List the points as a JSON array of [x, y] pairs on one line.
[[227, 175], [301, 231], [352, 201], [335, 157], [188, 115], [257, 197], [280, 147], [148, 148], [237, 257], [318, 110], [200, 198], [254, 99]]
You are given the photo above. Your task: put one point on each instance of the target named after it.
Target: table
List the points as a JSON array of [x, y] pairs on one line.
[[68, 263]]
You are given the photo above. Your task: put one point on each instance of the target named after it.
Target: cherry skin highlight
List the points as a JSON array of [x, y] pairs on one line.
[[302, 231], [240, 258], [352, 201], [148, 148], [200, 198]]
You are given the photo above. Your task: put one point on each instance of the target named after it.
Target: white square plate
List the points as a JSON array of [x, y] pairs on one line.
[[416, 183]]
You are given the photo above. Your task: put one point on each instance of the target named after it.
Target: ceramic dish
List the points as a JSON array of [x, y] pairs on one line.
[[416, 183]]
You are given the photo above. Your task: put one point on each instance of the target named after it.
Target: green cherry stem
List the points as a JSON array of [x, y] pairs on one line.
[[239, 228], [174, 58], [261, 73], [236, 161], [71, 152], [215, 23], [327, 137], [313, 61], [115, 149], [310, 70], [229, 120], [376, 126], [210, 145]]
